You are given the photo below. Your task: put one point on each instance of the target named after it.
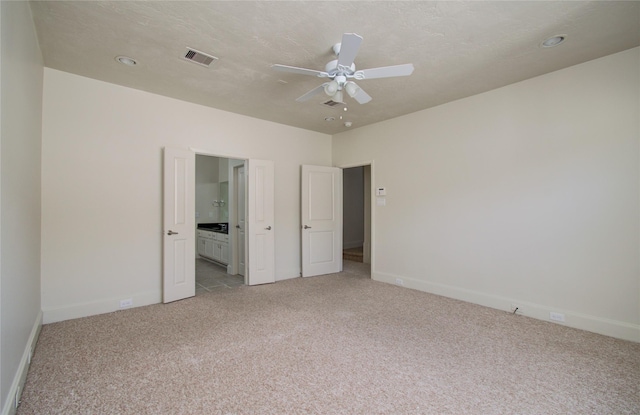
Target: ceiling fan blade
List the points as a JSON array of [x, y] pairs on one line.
[[361, 96], [349, 49], [311, 93], [385, 72], [299, 71]]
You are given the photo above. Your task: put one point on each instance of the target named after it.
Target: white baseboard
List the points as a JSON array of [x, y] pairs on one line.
[[23, 368], [109, 305], [607, 327]]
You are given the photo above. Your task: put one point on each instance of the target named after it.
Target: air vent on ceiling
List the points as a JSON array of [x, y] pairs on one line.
[[198, 57], [332, 103]]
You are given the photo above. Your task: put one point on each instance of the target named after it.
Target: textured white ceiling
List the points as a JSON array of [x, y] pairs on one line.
[[458, 49]]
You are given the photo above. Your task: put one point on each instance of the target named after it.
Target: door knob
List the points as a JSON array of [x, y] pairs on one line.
[[172, 232], [268, 228], [307, 227], [238, 226]]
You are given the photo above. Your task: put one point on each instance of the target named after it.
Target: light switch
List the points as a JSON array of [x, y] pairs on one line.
[[381, 191], [381, 201]]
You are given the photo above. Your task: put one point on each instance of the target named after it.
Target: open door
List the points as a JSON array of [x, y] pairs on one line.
[[260, 231], [179, 279], [321, 220]]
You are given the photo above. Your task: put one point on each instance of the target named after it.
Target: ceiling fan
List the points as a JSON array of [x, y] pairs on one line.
[[341, 71]]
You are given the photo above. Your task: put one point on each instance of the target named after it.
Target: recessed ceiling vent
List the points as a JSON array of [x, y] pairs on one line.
[[200, 58], [332, 103]]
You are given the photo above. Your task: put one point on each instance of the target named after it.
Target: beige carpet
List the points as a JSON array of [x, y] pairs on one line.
[[338, 344]]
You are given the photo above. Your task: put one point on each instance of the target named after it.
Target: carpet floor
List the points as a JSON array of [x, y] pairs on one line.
[[335, 344]]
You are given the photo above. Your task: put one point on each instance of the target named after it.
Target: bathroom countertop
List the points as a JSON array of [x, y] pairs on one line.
[[214, 227]]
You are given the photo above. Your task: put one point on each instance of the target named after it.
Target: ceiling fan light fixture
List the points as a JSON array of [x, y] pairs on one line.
[[331, 88], [338, 96], [352, 88]]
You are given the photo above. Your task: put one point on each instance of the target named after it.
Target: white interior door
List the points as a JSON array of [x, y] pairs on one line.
[[179, 275], [321, 220], [261, 233], [240, 215]]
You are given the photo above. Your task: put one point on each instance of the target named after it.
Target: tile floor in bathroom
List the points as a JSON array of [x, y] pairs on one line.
[[212, 277]]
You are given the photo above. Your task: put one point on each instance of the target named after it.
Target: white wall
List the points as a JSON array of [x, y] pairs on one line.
[[528, 194], [101, 187], [21, 108], [211, 171], [223, 174], [207, 189]]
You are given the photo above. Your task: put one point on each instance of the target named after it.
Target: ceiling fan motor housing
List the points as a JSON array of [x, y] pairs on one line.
[[333, 69]]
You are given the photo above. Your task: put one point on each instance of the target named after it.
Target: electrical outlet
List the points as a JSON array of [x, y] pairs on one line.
[[126, 303], [556, 316], [516, 309], [399, 281]]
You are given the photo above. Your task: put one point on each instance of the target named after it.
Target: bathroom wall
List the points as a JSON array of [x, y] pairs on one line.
[[207, 189]]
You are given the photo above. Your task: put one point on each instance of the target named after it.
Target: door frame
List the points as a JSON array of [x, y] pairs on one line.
[[372, 201], [233, 260]]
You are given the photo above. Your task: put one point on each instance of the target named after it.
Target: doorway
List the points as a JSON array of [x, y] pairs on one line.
[[179, 223], [357, 214], [216, 202]]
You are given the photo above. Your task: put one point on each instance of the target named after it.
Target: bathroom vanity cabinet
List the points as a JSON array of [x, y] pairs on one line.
[[213, 245]]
